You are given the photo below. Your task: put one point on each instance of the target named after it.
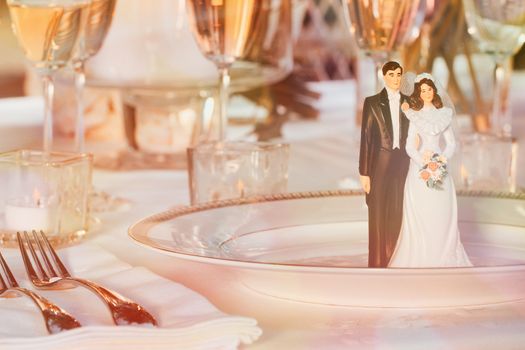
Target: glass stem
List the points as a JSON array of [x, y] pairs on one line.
[[80, 82], [378, 73], [369, 81], [49, 92], [379, 58], [501, 119], [224, 86], [426, 32]]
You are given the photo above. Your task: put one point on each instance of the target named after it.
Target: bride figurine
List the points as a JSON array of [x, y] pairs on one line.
[[429, 234]]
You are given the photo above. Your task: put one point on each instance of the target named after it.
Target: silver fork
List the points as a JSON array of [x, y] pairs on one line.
[[123, 310], [56, 319]]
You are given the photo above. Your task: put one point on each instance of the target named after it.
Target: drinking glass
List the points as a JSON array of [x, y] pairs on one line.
[[236, 169], [486, 162], [47, 30], [499, 29], [94, 30], [433, 10], [99, 16], [381, 27], [242, 31]]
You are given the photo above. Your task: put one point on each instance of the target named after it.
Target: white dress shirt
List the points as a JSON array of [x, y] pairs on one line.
[[393, 100]]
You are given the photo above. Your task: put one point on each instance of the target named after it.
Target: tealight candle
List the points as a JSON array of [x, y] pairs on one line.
[[26, 214]]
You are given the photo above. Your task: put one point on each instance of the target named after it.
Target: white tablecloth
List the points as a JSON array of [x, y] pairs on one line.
[[325, 159]]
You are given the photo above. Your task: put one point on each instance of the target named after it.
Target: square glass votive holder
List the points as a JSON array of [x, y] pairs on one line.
[[487, 163], [236, 169], [44, 191]]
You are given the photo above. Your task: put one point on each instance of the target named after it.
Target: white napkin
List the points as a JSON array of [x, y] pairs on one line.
[[187, 320]]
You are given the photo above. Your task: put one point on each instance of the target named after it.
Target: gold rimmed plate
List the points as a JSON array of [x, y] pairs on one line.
[[312, 247]]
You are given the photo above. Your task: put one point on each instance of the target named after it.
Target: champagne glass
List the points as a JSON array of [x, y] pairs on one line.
[[499, 29], [47, 30], [96, 25], [229, 31], [380, 27], [433, 9], [98, 20]]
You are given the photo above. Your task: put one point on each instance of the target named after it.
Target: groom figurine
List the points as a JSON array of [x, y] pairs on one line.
[[383, 164]]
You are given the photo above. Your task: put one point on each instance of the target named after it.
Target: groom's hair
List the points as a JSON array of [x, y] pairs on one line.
[[391, 65]]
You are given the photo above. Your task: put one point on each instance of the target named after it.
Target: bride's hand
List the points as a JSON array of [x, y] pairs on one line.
[[405, 106], [365, 183]]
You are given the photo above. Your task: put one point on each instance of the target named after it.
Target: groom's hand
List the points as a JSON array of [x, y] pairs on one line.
[[365, 183], [405, 106]]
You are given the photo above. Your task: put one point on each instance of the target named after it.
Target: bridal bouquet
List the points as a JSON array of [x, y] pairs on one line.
[[434, 171]]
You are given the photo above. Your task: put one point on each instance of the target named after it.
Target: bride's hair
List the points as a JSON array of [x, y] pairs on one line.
[[416, 102]]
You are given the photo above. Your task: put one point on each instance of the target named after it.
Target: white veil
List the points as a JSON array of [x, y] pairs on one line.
[[407, 88]]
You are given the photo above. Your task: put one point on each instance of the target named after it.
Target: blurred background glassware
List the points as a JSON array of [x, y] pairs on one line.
[[433, 9], [486, 162], [149, 46], [47, 31], [160, 125], [499, 29], [239, 30], [236, 169], [150, 54], [381, 27], [93, 32], [92, 35], [47, 191]]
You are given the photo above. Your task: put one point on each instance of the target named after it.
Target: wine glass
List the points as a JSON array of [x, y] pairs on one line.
[[499, 29], [47, 30], [94, 30], [380, 27], [433, 10], [230, 31]]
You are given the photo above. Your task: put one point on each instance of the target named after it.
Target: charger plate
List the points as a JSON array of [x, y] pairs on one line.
[[312, 247]]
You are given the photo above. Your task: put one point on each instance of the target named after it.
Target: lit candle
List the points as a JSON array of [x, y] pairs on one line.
[[29, 213]]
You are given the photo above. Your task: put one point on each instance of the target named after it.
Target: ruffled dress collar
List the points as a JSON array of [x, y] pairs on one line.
[[430, 120]]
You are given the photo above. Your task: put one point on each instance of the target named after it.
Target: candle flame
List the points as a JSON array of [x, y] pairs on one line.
[[240, 188], [37, 198], [464, 175]]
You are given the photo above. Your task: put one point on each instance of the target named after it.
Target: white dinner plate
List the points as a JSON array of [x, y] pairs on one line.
[[312, 247]]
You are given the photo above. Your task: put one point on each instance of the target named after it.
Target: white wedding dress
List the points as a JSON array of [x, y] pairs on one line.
[[429, 234]]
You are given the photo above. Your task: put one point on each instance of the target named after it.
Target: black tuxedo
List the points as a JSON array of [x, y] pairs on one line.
[[387, 169]]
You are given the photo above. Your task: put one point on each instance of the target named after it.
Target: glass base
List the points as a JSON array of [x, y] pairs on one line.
[[128, 159], [8, 239], [101, 201]]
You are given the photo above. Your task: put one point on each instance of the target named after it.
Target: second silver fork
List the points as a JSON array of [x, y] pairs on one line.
[[55, 276], [56, 318]]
